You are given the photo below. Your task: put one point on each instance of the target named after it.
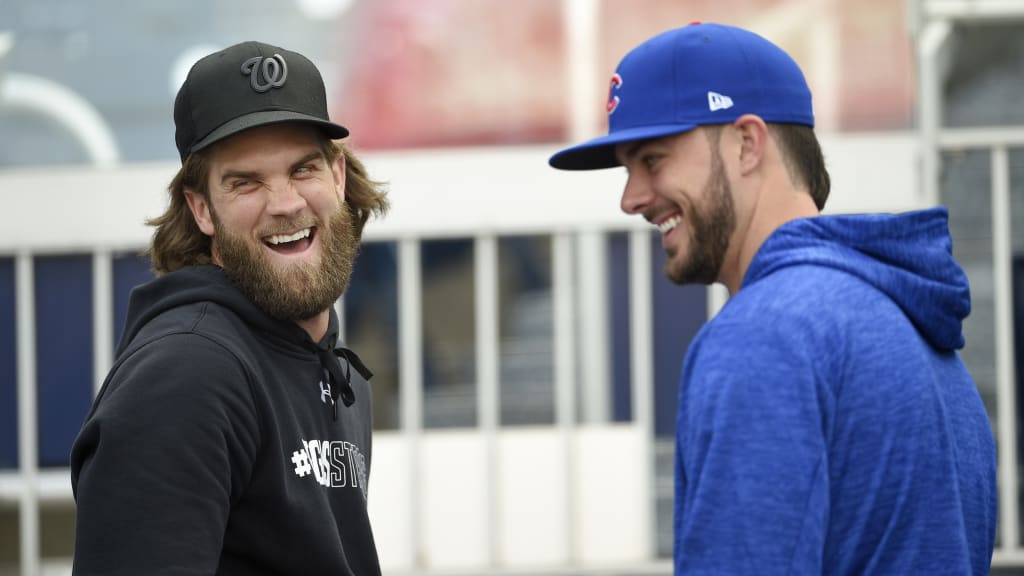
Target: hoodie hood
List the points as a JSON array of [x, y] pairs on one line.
[[194, 284], [209, 284], [908, 257]]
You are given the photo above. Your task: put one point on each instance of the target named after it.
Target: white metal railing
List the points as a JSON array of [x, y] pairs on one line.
[[997, 142], [505, 209], [410, 344], [1006, 381], [972, 10], [100, 212], [935, 22], [28, 439], [25, 485]]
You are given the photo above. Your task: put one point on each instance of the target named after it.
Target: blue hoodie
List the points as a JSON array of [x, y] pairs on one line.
[[826, 423]]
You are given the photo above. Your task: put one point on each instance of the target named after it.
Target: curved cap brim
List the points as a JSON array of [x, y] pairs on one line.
[[600, 152], [265, 118]]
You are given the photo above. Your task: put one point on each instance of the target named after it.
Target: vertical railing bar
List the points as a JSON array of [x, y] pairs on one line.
[[487, 366], [641, 337], [581, 19], [410, 329], [931, 45], [1002, 277], [339, 309], [562, 279], [28, 428], [717, 295], [594, 360], [102, 316]]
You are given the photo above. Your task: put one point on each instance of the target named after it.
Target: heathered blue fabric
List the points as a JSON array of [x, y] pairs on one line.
[[827, 424]]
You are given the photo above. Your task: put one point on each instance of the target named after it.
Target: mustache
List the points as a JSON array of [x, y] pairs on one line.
[[289, 226]]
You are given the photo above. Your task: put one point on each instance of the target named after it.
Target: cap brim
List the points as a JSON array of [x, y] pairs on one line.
[[236, 125], [600, 152]]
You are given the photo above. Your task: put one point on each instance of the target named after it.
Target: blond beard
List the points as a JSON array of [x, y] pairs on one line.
[[300, 291]]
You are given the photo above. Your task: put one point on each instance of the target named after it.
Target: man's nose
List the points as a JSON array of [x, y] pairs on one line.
[[285, 199], [636, 196]]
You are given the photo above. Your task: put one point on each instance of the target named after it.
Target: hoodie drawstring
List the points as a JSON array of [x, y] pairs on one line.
[[341, 381]]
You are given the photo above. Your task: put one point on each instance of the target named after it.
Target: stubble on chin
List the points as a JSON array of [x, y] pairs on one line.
[[709, 229]]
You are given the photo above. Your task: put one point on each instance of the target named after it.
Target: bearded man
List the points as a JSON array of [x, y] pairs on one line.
[[232, 435], [826, 423]]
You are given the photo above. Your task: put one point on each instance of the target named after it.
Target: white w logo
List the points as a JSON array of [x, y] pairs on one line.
[[273, 70]]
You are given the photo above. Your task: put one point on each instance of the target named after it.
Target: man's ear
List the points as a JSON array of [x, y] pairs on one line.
[[200, 208], [753, 133]]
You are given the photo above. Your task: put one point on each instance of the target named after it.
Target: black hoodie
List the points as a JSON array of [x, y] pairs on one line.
[[223, 442]]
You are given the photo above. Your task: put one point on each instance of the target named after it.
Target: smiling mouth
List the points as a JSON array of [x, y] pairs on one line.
[[293, 243], [669, 224]]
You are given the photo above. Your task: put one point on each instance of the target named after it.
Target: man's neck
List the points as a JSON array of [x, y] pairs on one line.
[[775, 208], [316, 326]]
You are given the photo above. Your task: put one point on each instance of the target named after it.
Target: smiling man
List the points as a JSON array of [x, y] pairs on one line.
[[233, 434], [826, 423]]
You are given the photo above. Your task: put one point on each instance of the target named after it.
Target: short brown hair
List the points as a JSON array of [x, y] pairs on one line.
[[803, 158], [178, 241], [801, 154]]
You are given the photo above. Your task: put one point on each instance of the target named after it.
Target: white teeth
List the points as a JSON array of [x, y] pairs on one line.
[[669, 224], [283, 238]]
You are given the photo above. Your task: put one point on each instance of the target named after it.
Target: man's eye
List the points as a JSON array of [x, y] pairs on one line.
[[650, 160]]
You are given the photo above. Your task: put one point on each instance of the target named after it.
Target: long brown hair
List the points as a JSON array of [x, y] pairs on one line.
[[178, 241]]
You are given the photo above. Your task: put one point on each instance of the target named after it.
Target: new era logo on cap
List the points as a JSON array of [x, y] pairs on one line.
[[691, 76], [718, 101], [244, 86]]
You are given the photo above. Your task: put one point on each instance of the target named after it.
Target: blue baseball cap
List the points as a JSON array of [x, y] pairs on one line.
[[690, 76]]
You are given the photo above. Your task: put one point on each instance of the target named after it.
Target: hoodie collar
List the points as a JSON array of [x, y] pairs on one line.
[[208, 283], [908, 257]]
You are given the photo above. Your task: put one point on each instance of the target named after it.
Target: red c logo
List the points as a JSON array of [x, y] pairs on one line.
[[613, 100]]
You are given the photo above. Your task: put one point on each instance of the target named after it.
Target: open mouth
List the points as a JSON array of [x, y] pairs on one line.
[[669, 224], [293, 243]]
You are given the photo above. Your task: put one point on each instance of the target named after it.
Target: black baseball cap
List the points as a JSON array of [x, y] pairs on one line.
[[244, 86]]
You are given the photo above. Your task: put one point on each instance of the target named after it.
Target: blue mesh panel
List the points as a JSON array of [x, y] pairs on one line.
[[130, 270], [679, 312], [371, 326], [8, 368], [64, 363]]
